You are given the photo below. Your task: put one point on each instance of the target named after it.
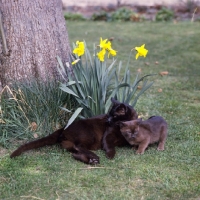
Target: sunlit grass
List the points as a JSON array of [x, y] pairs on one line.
[[51, 173]]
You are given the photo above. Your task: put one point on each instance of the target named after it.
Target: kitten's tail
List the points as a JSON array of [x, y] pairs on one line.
[[48, 140]]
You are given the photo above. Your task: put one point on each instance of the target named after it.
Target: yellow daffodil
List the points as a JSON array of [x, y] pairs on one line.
[[141, 51], [105, 45], [75, 61], [80, 49], [112, 52], [101, 55]]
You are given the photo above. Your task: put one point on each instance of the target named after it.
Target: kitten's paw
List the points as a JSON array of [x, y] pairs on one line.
[[161, 146], [139, 152]]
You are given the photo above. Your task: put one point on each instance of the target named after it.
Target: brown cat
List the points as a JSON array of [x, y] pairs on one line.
[[143, 133], [85, 134]]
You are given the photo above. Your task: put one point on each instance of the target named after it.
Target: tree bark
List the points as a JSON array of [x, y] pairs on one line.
[[34, 34]]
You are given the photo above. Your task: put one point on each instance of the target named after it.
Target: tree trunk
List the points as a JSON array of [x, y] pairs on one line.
[[32, 34]]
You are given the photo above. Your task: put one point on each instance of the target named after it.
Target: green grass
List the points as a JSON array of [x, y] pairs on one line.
[[51, 173]]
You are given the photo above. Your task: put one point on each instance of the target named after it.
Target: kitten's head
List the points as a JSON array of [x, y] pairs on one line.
[[129, 128], [120, 112]]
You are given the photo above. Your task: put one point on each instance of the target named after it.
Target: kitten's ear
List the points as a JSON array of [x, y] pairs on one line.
[[139, 121]]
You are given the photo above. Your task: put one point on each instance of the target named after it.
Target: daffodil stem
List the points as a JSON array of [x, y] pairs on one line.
[[128, 59]]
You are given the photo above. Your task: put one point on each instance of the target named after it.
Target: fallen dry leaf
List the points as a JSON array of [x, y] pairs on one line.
[[111, 39], [33, 126], [35, 135], [2, 122], [164, 73]]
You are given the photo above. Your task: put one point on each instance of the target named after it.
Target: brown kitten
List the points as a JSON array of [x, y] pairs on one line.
[[143, 133]]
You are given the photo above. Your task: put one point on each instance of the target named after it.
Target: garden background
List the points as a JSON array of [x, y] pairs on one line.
[[51, 173]]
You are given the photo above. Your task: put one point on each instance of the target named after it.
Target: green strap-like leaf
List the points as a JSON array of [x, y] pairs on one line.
[[65, 109], [73, 117], [144, 88], [69, 91], [72, 83], [112, 64]]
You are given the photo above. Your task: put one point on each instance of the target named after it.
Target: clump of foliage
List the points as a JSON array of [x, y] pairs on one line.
[[101, 16], [164, 14], [96, 79], [31, 109], [74, 17], [122, 14]]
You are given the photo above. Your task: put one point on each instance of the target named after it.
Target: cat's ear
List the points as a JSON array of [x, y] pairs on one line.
[[120, 124], [114, 101]]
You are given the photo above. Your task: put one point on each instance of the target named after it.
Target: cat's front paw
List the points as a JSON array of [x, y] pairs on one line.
[[110, 154], [88, 158], [93, 161]]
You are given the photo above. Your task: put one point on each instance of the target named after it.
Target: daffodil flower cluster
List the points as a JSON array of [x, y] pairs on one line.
[[105, 46], [79, 51], [80, 48]]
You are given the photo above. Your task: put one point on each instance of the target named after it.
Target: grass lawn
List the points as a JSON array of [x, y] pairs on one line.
[[51, 173]]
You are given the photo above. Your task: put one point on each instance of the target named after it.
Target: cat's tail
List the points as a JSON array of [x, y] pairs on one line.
[[48, 140]]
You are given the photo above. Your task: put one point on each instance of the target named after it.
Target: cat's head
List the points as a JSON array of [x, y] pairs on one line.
[[120, 112], [129, 128]]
